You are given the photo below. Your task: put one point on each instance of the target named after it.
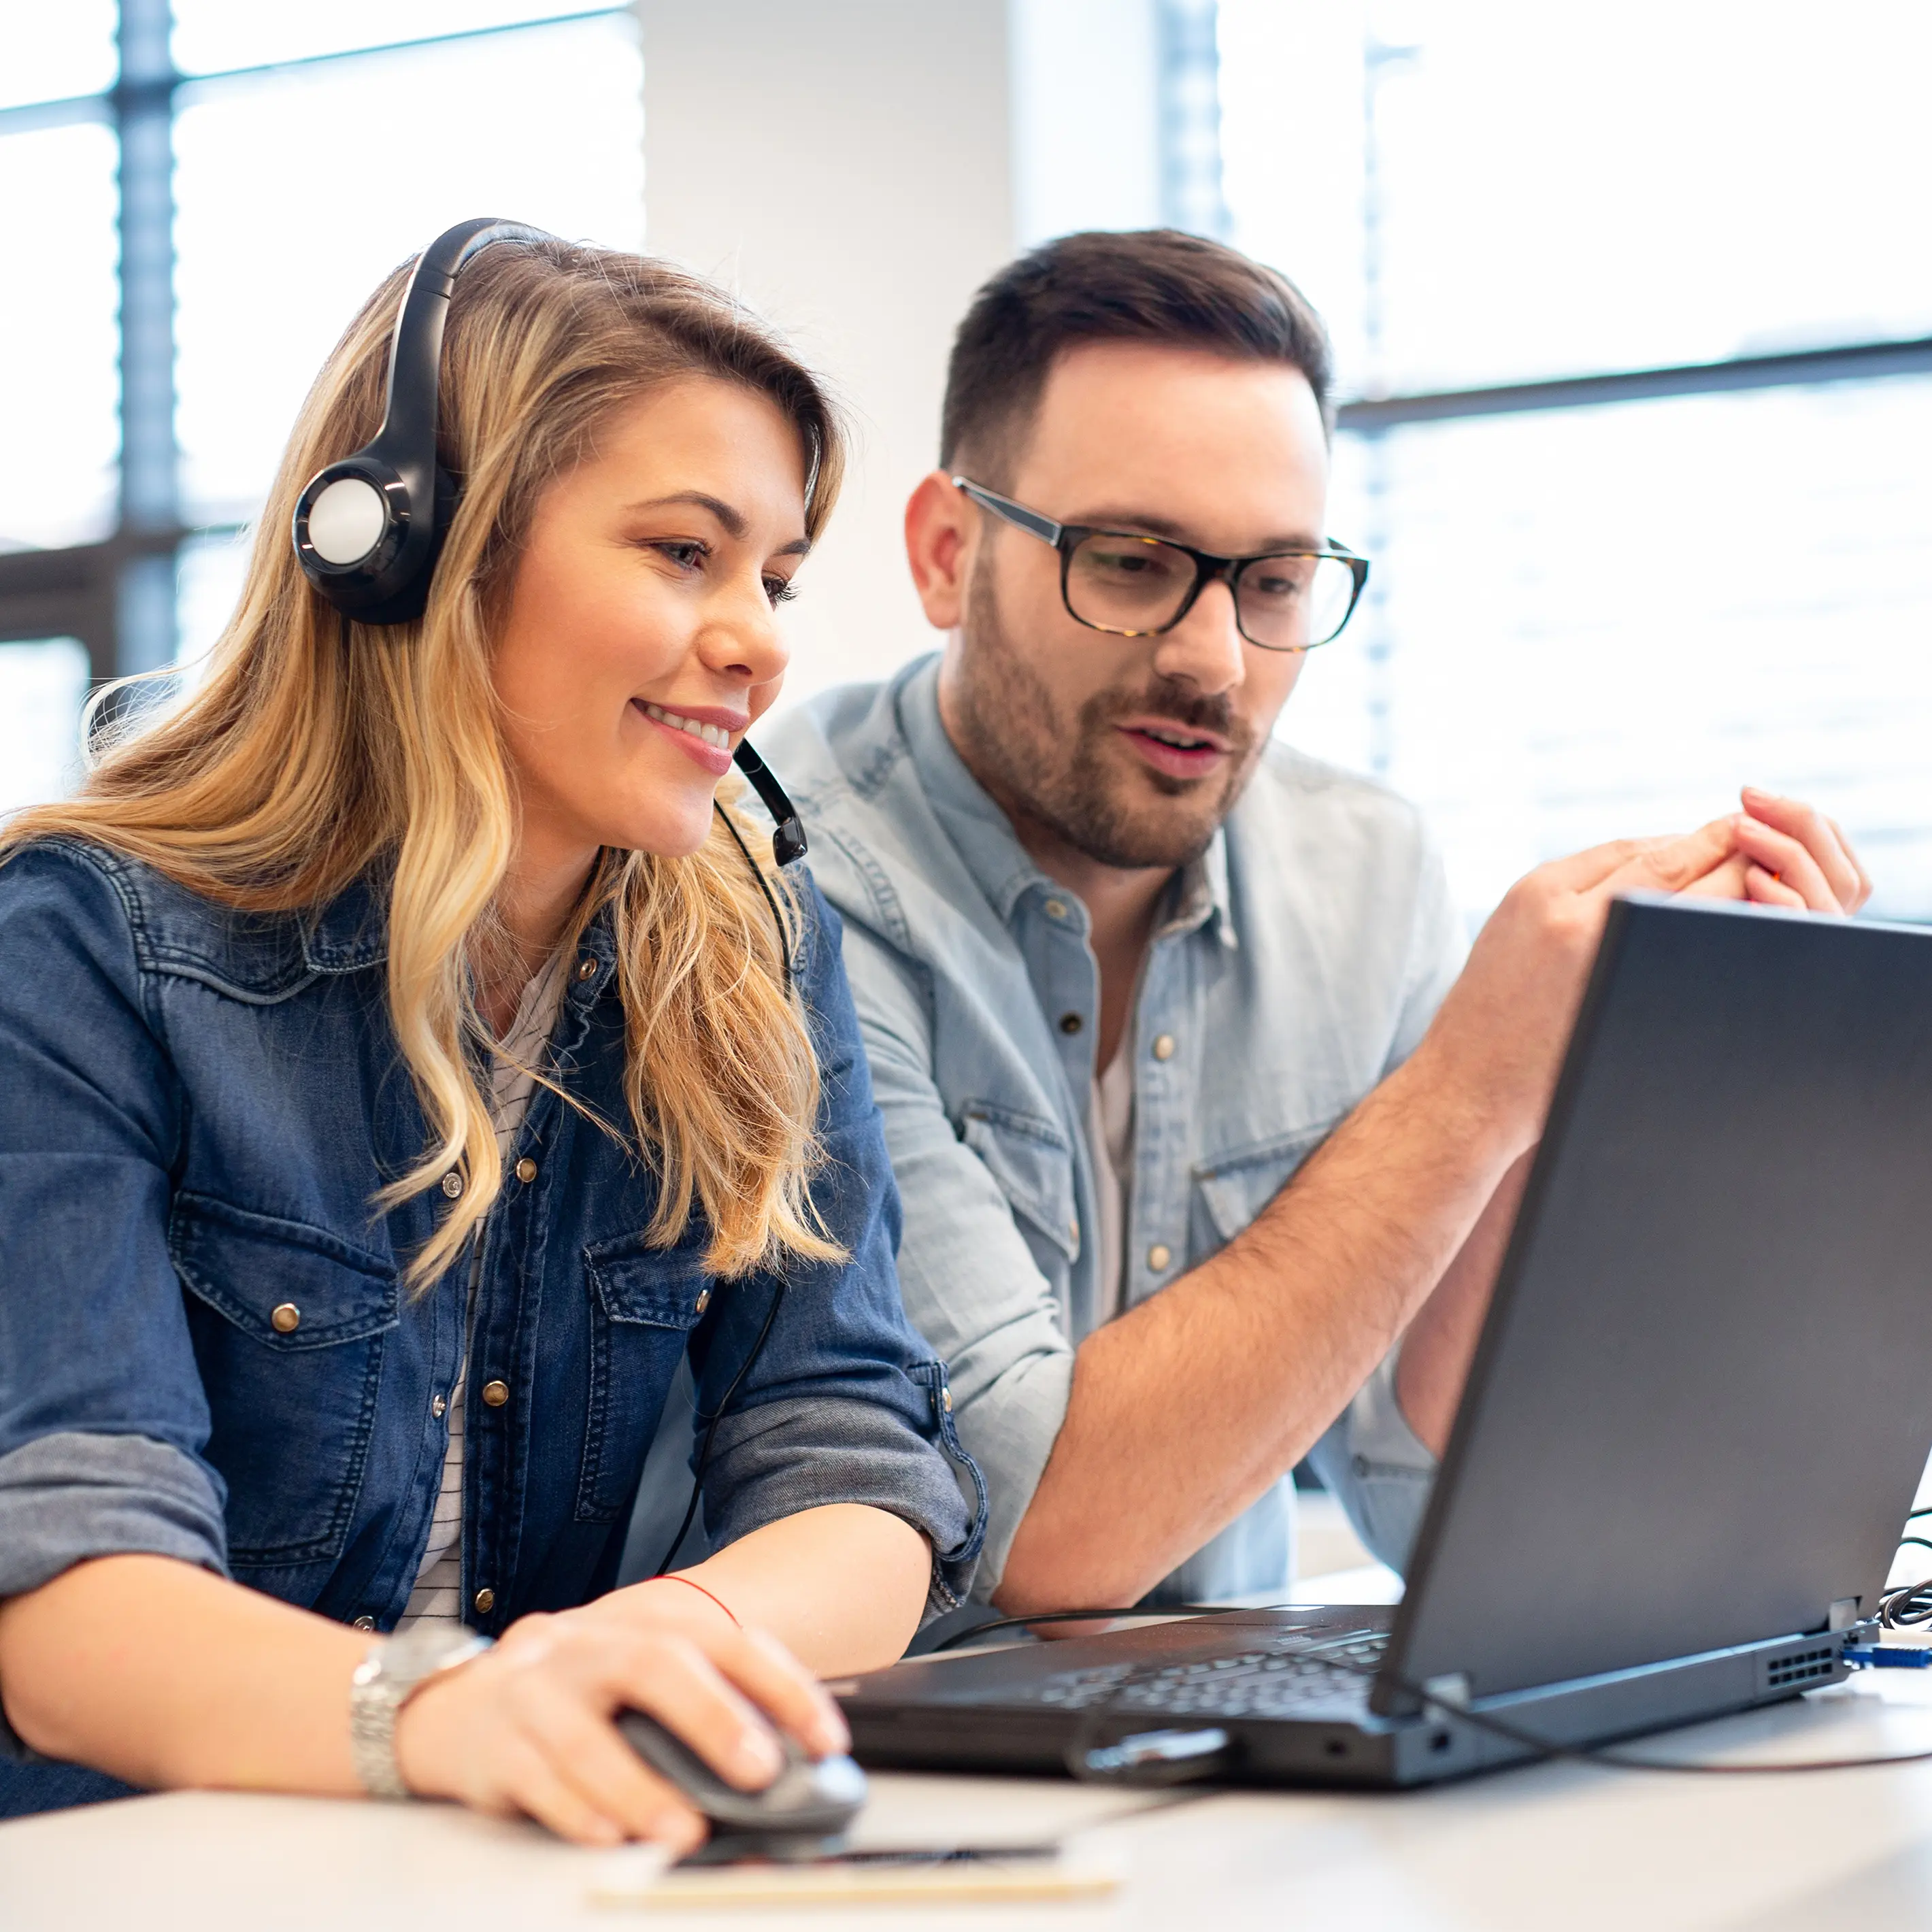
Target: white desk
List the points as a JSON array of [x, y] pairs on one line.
[[1553, 1845]]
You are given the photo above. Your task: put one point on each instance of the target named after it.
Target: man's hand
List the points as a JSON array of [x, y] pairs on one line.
[[1501, 1033]]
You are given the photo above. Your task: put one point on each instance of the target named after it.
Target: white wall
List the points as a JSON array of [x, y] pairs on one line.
[[844, 165], [855, 169]]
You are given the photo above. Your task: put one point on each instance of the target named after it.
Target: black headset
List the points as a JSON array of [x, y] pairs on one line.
[[368, 529]]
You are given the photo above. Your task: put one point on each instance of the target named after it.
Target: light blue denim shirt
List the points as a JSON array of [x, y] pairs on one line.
[[1300, 960]]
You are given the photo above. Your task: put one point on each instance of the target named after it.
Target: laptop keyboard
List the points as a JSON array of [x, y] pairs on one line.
[[1279, 1681]]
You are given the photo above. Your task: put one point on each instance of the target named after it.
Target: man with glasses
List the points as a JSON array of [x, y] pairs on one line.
[[1207, 1153]]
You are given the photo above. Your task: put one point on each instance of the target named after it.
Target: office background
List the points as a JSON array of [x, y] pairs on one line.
[[1633, 311]]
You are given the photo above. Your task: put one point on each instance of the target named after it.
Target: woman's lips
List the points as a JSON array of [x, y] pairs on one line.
[[1175, 761], [715, 759]]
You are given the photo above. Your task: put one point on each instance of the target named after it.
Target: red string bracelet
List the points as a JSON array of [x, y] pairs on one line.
[[690, 1584]]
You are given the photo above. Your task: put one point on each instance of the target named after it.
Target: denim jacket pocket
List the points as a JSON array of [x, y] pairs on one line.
[[1033, 1166], [1235, 1186], [288, 1323], [644, 1303]]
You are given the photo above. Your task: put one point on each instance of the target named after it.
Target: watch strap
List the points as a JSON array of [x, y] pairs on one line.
[[394, 1670]]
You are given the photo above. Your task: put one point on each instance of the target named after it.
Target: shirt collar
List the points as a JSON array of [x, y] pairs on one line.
[[983, 836]]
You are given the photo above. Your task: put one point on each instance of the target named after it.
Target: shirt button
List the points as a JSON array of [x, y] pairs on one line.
[[452, 1184], [1056, 908], [1158, 1257], [586, 968], [485, 1600], [286, 1319], [495, 1394], [527, 1168], [1163, 1046], [437, 1404], [1070, 1023], [365, 1623]]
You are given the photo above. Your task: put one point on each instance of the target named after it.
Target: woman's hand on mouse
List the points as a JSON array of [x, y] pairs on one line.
[[527, 1726]]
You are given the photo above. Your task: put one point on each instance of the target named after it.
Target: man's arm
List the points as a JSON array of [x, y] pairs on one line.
[[1184, 1410]]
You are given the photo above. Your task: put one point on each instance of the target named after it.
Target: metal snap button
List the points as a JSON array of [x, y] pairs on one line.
[[286, 1319], [945, 1400], [1071, 1023], [365, 1623], [1159, 1256], [1163, 1046], [1056, 908], [703, 1299], [485, 1600], [586, 968], [452, 1184], [495, 1394], [437, 1406], [526, 1170]]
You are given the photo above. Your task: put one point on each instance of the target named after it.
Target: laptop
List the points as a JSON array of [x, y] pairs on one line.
[[1696, 1418]]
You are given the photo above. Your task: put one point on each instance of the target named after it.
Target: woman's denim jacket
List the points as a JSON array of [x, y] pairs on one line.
[[206, 1348]]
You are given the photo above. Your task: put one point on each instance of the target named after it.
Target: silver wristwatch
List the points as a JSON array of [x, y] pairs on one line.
[[396, 1668]]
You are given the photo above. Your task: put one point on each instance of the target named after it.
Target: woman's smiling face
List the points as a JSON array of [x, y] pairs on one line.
[[640, 641]]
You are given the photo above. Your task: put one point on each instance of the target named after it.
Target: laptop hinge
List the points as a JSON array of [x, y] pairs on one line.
[[1844, 1612], [1450, 1688]]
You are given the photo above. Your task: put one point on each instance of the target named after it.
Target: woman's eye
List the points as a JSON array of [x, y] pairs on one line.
[[687, 556], [779, 590]]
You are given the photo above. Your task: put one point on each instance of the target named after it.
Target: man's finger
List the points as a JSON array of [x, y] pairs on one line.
[[1766, 889], [1816, 833], [1857, 864], [1790, 862], [1670, 865]]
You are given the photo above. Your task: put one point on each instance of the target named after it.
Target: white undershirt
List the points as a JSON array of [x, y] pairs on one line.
[[437, 1597], [1110, 1134]]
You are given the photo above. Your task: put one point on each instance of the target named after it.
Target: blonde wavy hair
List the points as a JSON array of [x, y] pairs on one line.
[[318, 751]]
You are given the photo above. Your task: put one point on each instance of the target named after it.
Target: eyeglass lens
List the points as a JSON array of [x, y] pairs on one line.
[[1139, 583]]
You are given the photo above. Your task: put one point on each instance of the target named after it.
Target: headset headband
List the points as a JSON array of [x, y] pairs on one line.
[[368, 529]]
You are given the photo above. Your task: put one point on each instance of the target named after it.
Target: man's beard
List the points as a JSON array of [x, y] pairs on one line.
[[1066, 774]]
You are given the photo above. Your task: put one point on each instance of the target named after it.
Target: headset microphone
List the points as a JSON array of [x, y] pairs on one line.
[[368, 529]]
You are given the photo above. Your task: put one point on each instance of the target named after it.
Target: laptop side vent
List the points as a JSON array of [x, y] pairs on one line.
[[1792, 1670]]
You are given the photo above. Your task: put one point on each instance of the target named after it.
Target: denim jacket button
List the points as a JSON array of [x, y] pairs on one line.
[[703, 1299], [1071, 1023], [1056, 908], [437, 1406], [945, 1400], [1158, 1257], [586, 968], [495, 1394], [452, 1184], [485, 1600], [365, 1623], [286, 1319], [526, 1170], [1163, 1046]]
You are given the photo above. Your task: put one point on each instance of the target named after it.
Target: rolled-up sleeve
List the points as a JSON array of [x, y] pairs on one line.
[[844, 1403], [103, 1416]]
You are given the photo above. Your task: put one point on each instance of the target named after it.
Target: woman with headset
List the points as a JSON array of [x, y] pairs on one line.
[[408, 1063]]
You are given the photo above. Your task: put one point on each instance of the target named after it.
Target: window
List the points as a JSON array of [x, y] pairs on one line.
[[211, 186], [1631, 328]]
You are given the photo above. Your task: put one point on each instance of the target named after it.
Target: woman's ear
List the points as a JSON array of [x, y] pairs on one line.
[[940, 526]]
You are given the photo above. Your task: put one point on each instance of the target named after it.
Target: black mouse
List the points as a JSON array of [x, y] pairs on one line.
[[802, 1814]]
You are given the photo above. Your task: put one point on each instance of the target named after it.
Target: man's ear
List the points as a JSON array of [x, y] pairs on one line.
[[940, 526]]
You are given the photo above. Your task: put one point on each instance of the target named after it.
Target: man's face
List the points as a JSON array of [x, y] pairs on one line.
[[1131, 751]]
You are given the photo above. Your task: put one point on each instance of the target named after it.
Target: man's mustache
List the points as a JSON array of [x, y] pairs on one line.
[[1176, 703]]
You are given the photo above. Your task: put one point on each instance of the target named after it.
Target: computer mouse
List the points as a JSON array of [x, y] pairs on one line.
[[802, 1814]]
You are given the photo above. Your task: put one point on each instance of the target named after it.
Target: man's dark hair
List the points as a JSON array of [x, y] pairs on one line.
[[1155, 285]]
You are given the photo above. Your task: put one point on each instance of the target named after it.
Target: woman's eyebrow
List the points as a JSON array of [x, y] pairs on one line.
[[733, 521]]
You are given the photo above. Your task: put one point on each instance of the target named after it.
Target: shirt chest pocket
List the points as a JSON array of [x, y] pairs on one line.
[[644, 1303], [289, 1324], [1033, 1167], [1233, 1188]]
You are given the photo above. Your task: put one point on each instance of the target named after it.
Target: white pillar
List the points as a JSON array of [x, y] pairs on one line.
[[843, 165]]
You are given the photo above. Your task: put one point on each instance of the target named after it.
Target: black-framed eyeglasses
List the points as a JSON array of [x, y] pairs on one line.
[[1139, 586]]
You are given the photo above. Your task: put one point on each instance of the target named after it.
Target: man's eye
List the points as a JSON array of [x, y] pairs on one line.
[[779, 590]]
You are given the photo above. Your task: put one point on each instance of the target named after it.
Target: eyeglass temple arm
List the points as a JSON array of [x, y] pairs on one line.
[[1018, 514]]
